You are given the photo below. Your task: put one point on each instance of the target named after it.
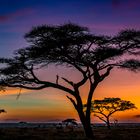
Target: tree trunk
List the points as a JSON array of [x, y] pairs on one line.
[[88, 130], [108, 123], [86, 125], [84, 117]]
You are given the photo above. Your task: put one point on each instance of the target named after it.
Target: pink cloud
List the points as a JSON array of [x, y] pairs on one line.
[[115, 3], [110, 28], [127, 4], [106, 26], [15, 15], [131, 4], [3, 18]]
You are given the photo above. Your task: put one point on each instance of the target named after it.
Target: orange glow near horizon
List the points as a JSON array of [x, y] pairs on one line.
[[101, 17], [13, 91], [52, 105]]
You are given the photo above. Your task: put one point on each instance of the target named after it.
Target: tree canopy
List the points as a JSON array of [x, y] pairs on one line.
[[105, 108], [2, 111], [69, 121], [71, 45]]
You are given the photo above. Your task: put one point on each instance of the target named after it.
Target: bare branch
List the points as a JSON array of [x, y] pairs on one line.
[[101, 118], [69, 82], [32, 73], [89, 75], [106, 73], [57, 78], [19, 94], [73, 102], [42, 85]]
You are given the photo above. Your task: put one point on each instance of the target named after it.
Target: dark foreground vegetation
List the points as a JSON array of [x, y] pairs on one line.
[[125, 132]]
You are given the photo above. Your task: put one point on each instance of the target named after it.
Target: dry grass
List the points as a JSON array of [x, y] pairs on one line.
[[101, 133]]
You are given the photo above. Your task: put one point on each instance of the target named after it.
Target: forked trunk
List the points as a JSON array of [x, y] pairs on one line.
[[88, 130], [85, 117], [86, 125]]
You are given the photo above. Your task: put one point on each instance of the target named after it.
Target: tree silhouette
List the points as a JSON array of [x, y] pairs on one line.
[[69, 122], [72, 46], [2, 111], [104, 109]]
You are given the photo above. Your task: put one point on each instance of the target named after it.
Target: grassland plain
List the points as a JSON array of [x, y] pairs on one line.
[[122, 132]]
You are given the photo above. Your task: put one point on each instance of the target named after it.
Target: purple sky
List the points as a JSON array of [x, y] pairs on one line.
[[17, 17], [101, 16]]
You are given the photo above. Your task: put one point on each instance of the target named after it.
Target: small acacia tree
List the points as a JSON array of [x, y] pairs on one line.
[[2, 111], [70, 45], [69, 122], [104, 109]]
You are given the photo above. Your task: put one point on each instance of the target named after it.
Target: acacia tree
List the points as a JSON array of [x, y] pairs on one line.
[[104, 109], [70, 45], [2, 111], [69, 122]]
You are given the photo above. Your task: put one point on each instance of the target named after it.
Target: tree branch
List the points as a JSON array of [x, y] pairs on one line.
[[73, 102], [106, 73], [43, 84], [100, 113], [101, 118], [57, 78], [32, 73], [69, 82]]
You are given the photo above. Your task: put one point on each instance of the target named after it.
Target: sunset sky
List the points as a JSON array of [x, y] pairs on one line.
[[101, 17]]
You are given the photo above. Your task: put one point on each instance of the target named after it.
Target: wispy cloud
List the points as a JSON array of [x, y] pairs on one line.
[[11, 120], [15, 15], [110, 28], [126, 4], [116, 3], [3, 18]]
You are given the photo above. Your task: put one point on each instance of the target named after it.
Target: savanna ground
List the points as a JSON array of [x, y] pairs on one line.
[[101, 133]]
